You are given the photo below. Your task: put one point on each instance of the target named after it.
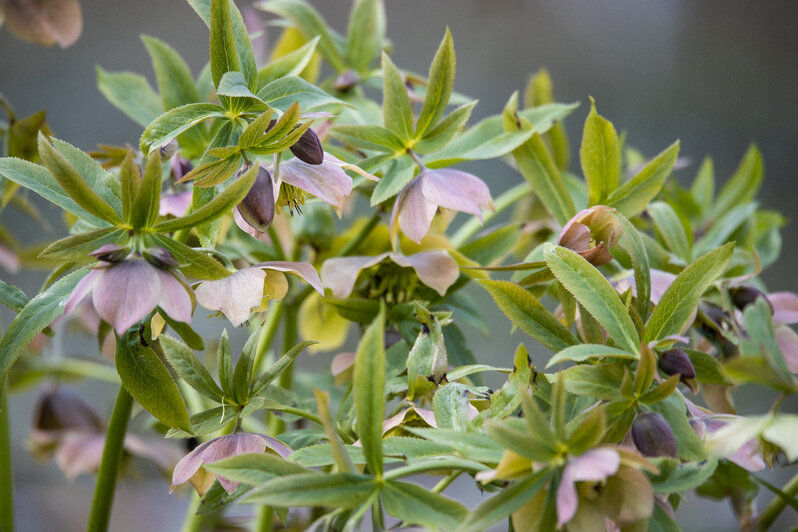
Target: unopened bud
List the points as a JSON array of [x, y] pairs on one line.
[[60, 409], [346, 80], [112, 253], [676, 361], [308, 148], [160, 258], [742, 296], [653, 436], [168, 150], [257, 208]]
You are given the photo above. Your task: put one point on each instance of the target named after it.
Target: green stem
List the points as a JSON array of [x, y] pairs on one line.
[[6, 472], [470, 227], [279, 252], [109, 466], [377, 523], [361, 236], [289, 340], [265, 522], [774, 509], [267, 334], [193, 521]]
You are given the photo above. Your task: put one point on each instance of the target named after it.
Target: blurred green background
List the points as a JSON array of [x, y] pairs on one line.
[[714, 74]]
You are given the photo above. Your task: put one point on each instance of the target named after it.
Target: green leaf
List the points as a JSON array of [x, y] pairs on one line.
[[218, 206], [284, 92], [37, 314], [73, 183], [76, 248], [675, 477], [369, 391], [681, 297], [450, 405], [191, 262], [147, 380], [291, 64], [12, 297], [600, 155], [213, 173], [415, 505], [601, 381], [337, 490], [369, 137], [365, 34], [530, 315], [281, 365], [231, 49], [595, 293], [233, 85], [707, 367], [492, 245], [253, 133], [632, 242], [98, 178], [761, 338], [633, 196], [441, 81], [175, 82], [670, 228], [580, 353], [145, 206], [131, 94], [175, 121], [189, 368], [224, 361], [743, 184], [724, 226], [396, 109], [254, 468], [400, 172], [505, 502], [435, 138], [471, 445], [702, 189]]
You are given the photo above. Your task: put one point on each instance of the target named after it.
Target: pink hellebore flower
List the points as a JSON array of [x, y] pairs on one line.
[[596, 223], [435, 269], [190, 467], [236, 295], [175, 204], [125, 292], [452, 189], [595, 465]]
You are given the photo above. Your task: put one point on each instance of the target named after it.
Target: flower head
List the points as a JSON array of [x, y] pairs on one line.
[[591, 232], [452, 189], [190, 467]]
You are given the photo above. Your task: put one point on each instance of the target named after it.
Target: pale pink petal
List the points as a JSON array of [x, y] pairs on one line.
[[8, 259], [235, 444], [302, 269], [436, 269], [235, 295], [175, 299], [413, 212], [428, 416], [175, 204], [251, 231], [456, 190], [660, 281], [566, 499], [785, 307], [340, 273], [594, 465], [347, 166], [126, 292], [164, 455], [788, 343], [82, 289], [327, 181], [189, 465], [341, 363], [79, 452]]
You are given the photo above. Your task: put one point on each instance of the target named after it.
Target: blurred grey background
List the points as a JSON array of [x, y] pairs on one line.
[[714, 74]]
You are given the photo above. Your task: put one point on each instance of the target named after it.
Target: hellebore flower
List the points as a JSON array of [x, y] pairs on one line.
[[44, 22], [435, 269], [237, 294], [595, 224], [175, 204], [706, 423], [125, 291], [452, 189], [190, 467], [594, 466]]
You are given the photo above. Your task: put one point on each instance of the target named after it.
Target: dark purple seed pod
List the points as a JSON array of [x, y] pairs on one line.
[[742, 296], [308, 148], [59, 409], [160, 258], [257, 208], [653, 436], [112, 253], [676, 361]]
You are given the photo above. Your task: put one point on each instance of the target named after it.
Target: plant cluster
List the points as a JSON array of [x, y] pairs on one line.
[[244, 197]]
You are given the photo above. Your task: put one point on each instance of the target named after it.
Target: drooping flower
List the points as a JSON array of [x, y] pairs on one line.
[[190, 467], [44, 22], [705, 423], [452, 189], [238, 294], [175, 204], [126, 291], [594, 466]]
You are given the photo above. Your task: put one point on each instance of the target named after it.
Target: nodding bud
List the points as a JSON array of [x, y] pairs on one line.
[[742, 296], [308, 148], [112, 253], [60, 409], [160, 258], [168, 150], [653, 436], [346, 80], [257, 208], [676, 361], [592, 233]]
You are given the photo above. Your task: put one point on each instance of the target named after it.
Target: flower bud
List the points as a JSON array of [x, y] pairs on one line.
[[112, 253], [179, 167], [60, 409], [168, 150], [653, 436], [592, 233], [257, 208], [742, 296], [346, 80], [308, 148], [676, 361], [160, 258]]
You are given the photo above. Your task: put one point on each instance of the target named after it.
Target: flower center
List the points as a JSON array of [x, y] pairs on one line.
[[393, 283], [290, 197]]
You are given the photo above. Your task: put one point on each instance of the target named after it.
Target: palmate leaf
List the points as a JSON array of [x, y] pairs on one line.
[[189, 368], [284, 92]]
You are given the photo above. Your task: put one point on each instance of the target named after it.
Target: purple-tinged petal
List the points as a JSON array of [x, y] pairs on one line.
[[456, 190], [428, 416], [327, 181], [660, 281], [785, 307], [595, 465], [82, 289], [575, 236], [175, 204], [251, 231], [302, 269], [566, 498], [126, 292], [788, 343], [79, 452], [175, 299], [435, 269], [348, 166], [235, 295], [413, 212], [9, 259], [188, 465], [340, 273]]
